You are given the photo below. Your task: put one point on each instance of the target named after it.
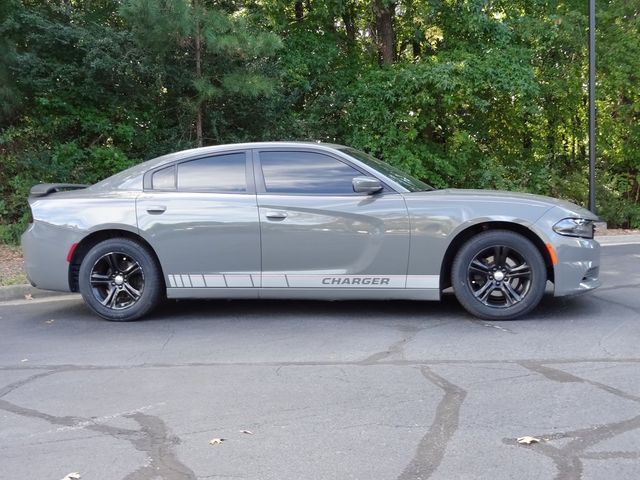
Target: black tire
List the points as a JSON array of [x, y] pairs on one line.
[[499, 275], [120, 280]]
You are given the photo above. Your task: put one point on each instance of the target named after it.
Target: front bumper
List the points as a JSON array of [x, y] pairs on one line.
[[578, 266]]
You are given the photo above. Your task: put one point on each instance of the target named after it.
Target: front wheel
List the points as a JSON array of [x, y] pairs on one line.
[[499, 275], [120, 280]]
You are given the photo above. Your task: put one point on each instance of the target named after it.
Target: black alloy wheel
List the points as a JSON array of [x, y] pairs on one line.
[[499, 275], [120, 279], [117, 281]]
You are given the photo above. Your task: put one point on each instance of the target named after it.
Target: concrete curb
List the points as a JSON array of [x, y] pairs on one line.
[[618, 239], [19, 292]]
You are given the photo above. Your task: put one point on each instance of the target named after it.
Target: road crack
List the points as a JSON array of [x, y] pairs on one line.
[[568, 459], [396, 349], [433, 445], [20, 383], [153, 437], [155, 440]]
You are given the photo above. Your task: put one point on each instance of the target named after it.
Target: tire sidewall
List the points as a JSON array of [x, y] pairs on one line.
[[152, 281], [488, 239]]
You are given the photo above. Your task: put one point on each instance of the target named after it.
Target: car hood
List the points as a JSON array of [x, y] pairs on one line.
[[571, 209]]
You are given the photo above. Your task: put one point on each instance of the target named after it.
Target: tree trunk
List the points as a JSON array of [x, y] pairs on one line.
[[299, 8], [348, 17], [527, 140], [384, 11], [416, 48], [198, 41]]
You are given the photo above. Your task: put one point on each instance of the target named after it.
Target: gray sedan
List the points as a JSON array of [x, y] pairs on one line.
[[305, 221]]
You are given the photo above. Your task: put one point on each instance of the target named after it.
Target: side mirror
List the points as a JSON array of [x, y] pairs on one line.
[[368, 185]]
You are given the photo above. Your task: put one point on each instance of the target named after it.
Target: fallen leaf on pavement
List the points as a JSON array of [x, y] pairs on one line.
[[28, 296], [248, 432], [527, 440], [72, 476], [216, 441]]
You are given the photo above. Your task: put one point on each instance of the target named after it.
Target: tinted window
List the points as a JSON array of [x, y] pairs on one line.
[[304, 172], [407, 181], [222, 173], [164, 178]]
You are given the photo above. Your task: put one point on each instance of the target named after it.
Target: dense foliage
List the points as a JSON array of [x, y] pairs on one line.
[[462, 93]]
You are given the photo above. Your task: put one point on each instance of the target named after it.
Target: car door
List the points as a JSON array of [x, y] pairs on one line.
[[201, 218], [318, 235]]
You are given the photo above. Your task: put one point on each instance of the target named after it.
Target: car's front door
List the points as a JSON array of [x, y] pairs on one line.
[[319, 235], [201, 218]]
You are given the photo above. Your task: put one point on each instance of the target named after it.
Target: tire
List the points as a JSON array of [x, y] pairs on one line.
[[120, 280], [499, 275]]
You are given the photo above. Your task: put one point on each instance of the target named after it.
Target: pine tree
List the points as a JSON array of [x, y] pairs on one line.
[[221, 55]]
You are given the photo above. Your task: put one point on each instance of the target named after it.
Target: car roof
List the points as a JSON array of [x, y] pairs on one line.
[[235, 146]]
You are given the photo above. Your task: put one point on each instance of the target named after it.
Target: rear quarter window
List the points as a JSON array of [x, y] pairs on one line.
[[164, 179]]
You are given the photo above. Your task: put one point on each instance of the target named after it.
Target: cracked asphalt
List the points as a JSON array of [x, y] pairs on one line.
[[346, 390]]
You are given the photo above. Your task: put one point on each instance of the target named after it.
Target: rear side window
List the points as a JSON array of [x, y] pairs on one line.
[[164, 179], [306, 172], [222, 173]]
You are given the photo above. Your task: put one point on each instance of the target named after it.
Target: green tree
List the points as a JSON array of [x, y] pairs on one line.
[[218, 54], [463, 93], [100, 86]]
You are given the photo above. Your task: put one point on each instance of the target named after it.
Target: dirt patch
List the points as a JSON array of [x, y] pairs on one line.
[[11, 266]]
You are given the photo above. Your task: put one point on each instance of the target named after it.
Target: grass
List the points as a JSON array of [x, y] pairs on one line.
[[18, 279]]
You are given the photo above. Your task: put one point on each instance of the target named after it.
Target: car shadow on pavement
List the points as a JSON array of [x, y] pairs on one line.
[[448, 308], [308, 309], [174, 311]]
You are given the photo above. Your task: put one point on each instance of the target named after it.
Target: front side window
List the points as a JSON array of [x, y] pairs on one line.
[[221, 173], [407, 181], [306, 173]]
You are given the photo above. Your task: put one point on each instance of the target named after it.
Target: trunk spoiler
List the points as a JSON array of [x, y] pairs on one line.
[[44, 189]]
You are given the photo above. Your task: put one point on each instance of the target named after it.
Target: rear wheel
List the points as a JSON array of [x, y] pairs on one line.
[[120, 280], [499, 275]]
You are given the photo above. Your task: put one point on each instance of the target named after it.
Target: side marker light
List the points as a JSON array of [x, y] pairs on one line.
[[552, 254], [71, 251]]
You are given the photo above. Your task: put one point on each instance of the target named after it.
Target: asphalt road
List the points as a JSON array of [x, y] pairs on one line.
[[350, 390]]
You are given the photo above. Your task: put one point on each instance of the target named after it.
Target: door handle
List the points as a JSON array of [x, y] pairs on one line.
[[276, 215], [156, 209]]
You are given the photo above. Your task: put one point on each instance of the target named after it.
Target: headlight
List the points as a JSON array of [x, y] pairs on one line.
[[574, 227]]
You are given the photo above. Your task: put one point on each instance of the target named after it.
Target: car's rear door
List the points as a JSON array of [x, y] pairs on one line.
[[201, 218], [319, 238]]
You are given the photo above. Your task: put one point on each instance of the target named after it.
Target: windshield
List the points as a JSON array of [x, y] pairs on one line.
[[407, 181]]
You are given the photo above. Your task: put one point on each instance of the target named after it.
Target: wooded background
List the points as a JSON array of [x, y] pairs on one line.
[[461, 93]]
